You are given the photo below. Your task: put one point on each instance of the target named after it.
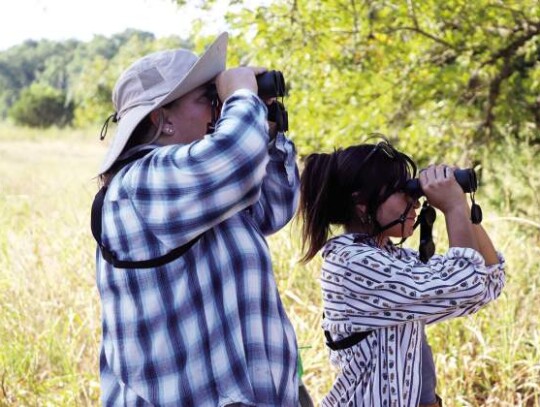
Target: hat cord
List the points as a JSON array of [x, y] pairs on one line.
[[105, 127]]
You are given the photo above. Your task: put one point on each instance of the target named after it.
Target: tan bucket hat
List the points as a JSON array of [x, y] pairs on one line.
[[158, 79]]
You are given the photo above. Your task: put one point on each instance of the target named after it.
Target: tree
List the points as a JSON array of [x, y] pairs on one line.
[[41, 106], [440, 75], [92, 85], [84, 74], [20, 66]]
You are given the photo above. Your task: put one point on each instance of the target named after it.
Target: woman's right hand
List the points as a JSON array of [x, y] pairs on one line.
[[444, 193], [231, 80], [441, 189]]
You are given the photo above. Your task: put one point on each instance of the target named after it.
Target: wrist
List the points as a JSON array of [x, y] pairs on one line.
[[459, 210]]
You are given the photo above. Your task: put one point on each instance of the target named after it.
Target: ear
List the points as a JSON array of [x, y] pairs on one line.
[[155, 115]]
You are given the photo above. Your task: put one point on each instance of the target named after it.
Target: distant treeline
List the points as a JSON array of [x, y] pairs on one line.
[[443, 78], [45, 83]]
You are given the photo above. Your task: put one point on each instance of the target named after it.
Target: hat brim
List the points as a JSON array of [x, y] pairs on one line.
[[205, 68]]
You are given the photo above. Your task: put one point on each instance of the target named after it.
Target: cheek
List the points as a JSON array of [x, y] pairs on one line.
[[193, 118], [387, 210], [193, 113]]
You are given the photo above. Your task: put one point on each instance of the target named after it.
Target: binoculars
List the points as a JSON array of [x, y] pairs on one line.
[[270, 84], [466, 178]]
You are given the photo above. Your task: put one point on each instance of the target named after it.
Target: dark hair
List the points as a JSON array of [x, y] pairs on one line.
[[370, 172]]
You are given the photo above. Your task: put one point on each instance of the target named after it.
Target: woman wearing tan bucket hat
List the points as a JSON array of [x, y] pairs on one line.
[[190, 308]]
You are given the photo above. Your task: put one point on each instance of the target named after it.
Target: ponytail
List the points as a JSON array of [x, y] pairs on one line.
[[317, 193]]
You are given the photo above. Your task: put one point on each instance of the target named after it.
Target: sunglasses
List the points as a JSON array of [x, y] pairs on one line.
[[384, 147]]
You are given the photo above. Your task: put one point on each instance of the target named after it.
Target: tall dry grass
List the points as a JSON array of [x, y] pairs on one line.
[[49, 306]]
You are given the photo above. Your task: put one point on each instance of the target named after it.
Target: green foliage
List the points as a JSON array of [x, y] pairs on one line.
[[30, 62], [93, 87], [443, 77], [84, 72], [41, 106]]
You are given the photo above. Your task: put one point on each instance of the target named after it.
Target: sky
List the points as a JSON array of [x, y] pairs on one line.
[[82, 19]]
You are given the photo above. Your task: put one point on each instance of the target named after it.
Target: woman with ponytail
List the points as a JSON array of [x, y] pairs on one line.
[[378, 295]]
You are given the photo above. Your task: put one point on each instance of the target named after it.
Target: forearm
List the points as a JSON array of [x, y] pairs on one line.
[[222, 173], [461, 232], [279, 193], [485, 246]]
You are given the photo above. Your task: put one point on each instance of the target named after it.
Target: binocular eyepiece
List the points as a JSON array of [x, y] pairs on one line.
[[466, 178]]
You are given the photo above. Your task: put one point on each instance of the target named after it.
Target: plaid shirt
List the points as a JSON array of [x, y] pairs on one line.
[[390, 292], [209, 328]]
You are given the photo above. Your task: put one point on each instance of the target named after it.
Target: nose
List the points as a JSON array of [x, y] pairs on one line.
[[415, 204]]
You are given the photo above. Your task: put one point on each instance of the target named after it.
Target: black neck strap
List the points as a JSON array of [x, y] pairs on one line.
[[347, 342], [109, 255], [399, 220], [427, 217]]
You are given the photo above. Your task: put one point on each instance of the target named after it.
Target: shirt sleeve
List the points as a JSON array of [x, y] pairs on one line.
[[374, 289], [280, 187], [180, 191]]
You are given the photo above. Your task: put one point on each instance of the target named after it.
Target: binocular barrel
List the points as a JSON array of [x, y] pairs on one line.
[[270, 84], [466, 178]]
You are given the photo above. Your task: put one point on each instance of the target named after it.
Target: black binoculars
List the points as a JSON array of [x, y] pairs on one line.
[[466, 178], [270, 84]]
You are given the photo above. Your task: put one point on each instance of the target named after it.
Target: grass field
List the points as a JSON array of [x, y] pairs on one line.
[[49, 306]]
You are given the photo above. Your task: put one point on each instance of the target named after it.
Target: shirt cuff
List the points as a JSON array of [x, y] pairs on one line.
[[282, 149], [497, 266]]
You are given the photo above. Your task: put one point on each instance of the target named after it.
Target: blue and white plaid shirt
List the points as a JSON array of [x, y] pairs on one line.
[[209, 328]]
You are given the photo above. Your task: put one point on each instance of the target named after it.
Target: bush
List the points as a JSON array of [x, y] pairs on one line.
[[41, 106]]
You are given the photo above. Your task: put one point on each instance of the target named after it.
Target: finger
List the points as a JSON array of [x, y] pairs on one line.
[[432, 172], [440, 172], [426, 174], [257, 70]]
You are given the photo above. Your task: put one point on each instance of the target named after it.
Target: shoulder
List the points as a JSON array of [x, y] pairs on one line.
[[345, 248]]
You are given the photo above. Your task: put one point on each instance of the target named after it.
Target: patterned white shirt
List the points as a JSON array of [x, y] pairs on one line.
[[390, 292]]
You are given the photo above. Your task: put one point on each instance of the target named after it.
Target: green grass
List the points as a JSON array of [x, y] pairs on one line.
[[49, 305]]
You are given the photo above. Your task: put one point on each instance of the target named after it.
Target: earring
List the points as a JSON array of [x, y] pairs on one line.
[[168, 130], [366, 219]]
